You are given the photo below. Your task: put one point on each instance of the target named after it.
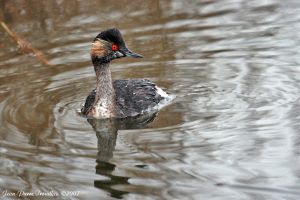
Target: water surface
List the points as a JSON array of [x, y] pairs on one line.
[[232, 132]]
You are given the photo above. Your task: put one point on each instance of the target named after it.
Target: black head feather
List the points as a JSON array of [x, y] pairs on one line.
[[111, 35]]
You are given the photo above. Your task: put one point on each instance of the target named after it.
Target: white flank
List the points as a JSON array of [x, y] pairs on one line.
[[161, 92]]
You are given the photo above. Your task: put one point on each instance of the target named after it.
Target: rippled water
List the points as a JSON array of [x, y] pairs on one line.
[[232, 132]]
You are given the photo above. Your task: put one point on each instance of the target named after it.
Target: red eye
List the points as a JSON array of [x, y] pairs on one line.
[[114, 47]]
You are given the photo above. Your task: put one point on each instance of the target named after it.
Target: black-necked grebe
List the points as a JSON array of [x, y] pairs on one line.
[[118, 98]]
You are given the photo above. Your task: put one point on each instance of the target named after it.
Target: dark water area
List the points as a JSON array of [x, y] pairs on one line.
[[233, 131]]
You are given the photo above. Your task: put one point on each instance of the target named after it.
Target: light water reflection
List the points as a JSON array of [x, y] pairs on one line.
[[231, 133], [107, 132]]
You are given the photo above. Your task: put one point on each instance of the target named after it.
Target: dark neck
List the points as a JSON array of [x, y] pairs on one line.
[[105, 93]]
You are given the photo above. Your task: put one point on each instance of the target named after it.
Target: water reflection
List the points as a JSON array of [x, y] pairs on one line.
[[107, 132]]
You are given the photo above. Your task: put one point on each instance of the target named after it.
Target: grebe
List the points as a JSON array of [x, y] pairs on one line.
[[118, 98]]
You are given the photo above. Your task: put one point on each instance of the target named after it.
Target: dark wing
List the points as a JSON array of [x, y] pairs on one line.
[[88, 103], [135, 96]]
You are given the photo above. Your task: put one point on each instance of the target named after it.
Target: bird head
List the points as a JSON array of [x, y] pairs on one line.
[[109, 45]]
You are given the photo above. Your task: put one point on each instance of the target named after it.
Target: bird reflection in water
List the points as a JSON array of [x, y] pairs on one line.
[[107, 132]]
